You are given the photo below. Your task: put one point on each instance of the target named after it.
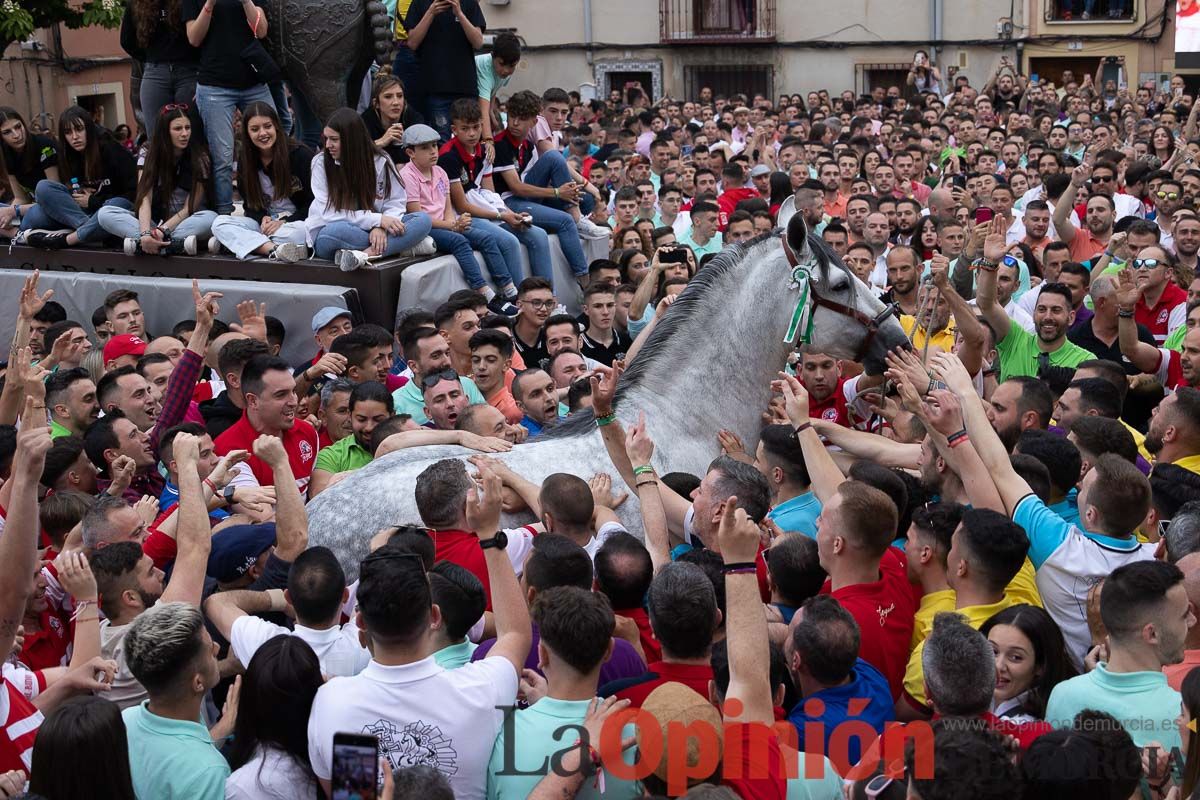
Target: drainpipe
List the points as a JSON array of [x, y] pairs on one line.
[[935, 27], [587, 29]]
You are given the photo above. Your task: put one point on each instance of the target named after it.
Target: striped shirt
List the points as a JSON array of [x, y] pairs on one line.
[[19, 723]]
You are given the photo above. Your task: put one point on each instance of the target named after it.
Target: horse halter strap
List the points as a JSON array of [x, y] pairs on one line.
[[803, 315]]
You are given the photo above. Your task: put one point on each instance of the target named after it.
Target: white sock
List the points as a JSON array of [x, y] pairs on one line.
[[487, 291], [509, 291]]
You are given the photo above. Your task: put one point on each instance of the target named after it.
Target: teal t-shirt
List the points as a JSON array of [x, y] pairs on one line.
[[1141, 701], [798, 514], [455, 655], [171, 759], [409, 400], [487, 82]]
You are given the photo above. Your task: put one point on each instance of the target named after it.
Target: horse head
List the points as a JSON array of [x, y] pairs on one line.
[[836, 313]]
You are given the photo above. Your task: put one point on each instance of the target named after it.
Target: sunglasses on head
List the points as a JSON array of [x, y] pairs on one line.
[[169, 107], [434, 378]]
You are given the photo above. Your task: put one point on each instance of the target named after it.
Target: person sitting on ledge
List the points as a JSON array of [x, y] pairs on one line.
[[358, 209]]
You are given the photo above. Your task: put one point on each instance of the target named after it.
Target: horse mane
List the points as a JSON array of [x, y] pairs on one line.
[[686, 306]]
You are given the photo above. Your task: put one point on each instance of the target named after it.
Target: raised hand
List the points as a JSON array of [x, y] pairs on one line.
[[604, 387], [950, 369], [75, 576], [602, 493], [31, 302], [252, 318], [737, 534], [147, 508], [1128, 292], [638, 444], [943, 412], [795, 398], [994, 246], [270, 449], [206, 305], [483, 502]]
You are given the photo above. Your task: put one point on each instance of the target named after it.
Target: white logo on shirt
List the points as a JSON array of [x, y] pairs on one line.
[[306, 451], [417, 744]]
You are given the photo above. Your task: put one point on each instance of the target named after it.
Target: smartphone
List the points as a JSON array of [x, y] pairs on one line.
[[676, 255], [1034, 77], [959, 180], [356, 765], [983, 214]]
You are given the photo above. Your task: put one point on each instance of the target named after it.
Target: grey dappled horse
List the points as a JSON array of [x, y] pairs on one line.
[[707, 365]]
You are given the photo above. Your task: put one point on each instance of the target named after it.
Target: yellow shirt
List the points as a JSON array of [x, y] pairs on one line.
[[1139, 439], [1022, 589], [943, 338], [1191, 463]]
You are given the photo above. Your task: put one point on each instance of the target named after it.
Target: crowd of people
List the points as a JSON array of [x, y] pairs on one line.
[[976, 573]]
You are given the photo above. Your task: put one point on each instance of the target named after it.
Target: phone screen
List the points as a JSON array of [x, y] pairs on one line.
[[983, 214], [355, 766]]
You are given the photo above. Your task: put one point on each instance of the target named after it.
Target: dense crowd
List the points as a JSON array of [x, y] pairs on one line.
[[977, 573]]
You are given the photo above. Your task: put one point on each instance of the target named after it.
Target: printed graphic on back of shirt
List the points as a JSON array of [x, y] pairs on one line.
[[416, 744]]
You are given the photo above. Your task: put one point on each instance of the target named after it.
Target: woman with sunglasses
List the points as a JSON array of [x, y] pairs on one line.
[[359, 207], [28, 158], [100, 172], [171, 212], [275, 185]]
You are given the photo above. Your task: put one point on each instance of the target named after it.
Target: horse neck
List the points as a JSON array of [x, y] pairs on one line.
[[714, 371]]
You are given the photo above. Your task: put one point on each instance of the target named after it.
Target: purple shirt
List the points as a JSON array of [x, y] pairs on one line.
[[623, 663], [1141, 463]]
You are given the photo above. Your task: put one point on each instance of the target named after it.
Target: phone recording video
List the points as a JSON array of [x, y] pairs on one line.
[[355, 766]]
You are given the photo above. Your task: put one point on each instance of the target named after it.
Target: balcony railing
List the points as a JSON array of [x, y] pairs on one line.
[[1090, 10], [716, 21]]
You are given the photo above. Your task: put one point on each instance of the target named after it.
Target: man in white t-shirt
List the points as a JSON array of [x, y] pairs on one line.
[[316, 591], [421, 713]]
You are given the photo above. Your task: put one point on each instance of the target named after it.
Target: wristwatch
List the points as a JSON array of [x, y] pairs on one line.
[[228, 494], [499, 541]]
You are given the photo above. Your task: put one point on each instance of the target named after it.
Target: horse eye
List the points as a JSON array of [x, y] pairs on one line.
[[841, 285]]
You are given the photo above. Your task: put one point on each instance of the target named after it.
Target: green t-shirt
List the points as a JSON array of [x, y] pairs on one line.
[[1173, 342], [1019, 354], [342, 456], [57, 430]]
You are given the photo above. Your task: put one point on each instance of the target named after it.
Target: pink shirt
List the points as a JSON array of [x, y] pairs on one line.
[[430, 192]]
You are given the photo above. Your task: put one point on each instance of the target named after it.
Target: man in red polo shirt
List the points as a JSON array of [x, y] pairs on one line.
[[441, 495], [1163, 306], [270, 395], [854, 532]]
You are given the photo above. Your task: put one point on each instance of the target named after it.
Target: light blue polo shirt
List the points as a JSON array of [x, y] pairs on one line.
[[408, 399], [1141, 701], [798, 514], [171, 759], [455, 655]]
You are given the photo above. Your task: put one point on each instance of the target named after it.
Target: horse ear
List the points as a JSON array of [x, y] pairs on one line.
[[797, 238]]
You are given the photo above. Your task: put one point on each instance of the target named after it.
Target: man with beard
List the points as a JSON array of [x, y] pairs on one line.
[[885, 180], [830, 179], [444, 398], [1174, 433], [858, 208], [1037, 227], [129, 583], [830, 395], [1008, 280], [1091, 240], [876, 232], [1018, 405], [908, 214], [534, 392], [1187, 241], [934, 327], [428, 353], [370, 405], [270, 393], [1023, 353], [1167, 202], [71, 399], [902, 277]]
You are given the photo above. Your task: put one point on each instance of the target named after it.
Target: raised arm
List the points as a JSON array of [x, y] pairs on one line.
[[513, 631], [985, 289], [983, 437], [640, 448], [1145, 357], [943, 417], [1062, 210], [869, 446], [291, 522], [225, 608], [194, 534], [822, 471], [527, 490], [18, 545], [748, 698], [965, 321]]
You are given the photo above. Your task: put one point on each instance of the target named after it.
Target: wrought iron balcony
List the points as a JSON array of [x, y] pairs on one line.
[[716, 21]]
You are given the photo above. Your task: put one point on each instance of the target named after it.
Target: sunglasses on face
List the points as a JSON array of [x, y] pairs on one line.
[[1147, 263], [433, 379], [1167, 195]]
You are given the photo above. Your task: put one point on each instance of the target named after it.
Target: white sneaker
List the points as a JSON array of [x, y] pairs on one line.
[[214, 246], [191, 246], [349, 260], [133, 246], [425, 247], [289, 253], [590, 230]]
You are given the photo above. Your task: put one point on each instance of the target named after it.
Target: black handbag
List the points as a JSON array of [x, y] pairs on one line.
[[259, 62]]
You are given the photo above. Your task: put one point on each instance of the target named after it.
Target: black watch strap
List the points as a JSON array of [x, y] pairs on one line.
[[499, 541]]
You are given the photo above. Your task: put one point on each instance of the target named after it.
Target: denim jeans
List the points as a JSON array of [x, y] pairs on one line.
[[242, 236], [216, 109], [407, 68], [552, 220], [166, 83], [307, 126], [344, 236], [437, 114], [57, 209], [124, 224], [459, 246], [549, 171], [538, 244], [280, 97], [500, 249]]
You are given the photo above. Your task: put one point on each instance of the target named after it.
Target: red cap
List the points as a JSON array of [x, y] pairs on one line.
[[124, 345]]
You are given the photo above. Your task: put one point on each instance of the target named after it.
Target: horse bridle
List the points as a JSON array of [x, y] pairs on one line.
[[872, 324]]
